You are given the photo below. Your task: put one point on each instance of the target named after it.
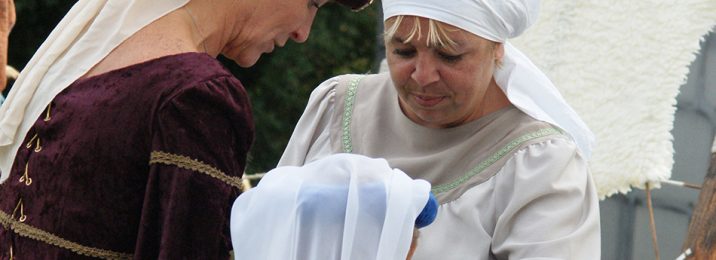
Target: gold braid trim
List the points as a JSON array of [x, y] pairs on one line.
[[194, 165], [31, 232]]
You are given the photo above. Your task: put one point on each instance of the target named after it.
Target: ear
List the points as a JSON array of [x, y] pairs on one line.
[[499, 50]]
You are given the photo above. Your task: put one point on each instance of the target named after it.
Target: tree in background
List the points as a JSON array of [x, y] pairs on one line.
[[35, 21], [279, 84], [341, 42]]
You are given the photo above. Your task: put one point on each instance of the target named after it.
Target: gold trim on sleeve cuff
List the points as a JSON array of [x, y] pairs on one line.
[[188, 163]]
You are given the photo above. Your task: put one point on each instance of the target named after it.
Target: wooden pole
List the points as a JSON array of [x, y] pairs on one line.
[[652, 223], [701, 236]]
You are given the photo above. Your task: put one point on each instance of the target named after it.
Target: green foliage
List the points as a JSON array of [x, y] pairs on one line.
[[279, 85], [341, 42], [35, 20]]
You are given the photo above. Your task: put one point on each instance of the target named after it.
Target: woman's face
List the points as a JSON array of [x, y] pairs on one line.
[[270, 23], [438, 86]]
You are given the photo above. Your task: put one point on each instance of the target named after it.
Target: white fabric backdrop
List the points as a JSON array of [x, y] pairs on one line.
[[620, 65]]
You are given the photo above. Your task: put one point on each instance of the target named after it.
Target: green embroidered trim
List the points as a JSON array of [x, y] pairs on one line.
[[507, 149], [31, 232], [348, 114], [194, 165]]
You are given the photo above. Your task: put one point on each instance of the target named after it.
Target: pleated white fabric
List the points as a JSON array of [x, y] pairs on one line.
[[343, 206]]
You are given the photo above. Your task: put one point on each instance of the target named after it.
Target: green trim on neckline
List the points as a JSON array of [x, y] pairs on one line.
[[495, 157], [347, 142], [348, 114]]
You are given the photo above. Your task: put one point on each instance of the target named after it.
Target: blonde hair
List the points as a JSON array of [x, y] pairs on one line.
[[437, 35]]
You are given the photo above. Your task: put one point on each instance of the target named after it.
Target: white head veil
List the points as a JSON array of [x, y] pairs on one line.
[[343, 206], [88, 33], [524, 84]]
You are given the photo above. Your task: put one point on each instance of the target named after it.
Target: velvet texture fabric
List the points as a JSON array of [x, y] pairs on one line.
[[92, 181]]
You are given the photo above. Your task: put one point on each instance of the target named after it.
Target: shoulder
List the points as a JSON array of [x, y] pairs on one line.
[[205, 93], [519, 130], [201, 80], [334, 87], [554, 147], [202, 116], [353, 80], [537, 140], [551, 155], [348, 84], [196, 70]]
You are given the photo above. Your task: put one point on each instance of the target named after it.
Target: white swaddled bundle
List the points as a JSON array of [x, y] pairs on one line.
[[343, 206]]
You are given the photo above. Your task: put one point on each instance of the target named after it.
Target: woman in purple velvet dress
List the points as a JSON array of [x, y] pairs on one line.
[[124, 137]]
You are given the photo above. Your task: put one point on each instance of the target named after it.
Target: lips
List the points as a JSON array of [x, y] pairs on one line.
[[269, 48], [427, 101], [279, 43], [275, 43]]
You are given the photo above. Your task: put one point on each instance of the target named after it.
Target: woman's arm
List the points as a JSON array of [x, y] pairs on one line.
[[547, 205]]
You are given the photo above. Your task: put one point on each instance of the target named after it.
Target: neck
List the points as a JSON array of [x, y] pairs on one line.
[[494, 100], [205, 20], [197, 30], [214, 21]]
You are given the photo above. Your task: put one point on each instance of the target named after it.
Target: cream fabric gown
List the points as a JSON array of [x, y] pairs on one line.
[[510, 187]]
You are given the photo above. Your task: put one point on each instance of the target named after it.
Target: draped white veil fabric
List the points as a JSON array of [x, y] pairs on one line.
[[343, 206], [87, 34], [524, 84]]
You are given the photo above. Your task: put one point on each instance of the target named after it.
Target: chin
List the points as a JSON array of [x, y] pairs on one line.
[[245, 61]]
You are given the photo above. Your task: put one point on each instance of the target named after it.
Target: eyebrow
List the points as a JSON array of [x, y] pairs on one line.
[[458, 44], [400, 40]]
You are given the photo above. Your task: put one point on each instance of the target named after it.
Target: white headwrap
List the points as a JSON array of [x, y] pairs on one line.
[[88, 33], [524, 84], [344, 206]]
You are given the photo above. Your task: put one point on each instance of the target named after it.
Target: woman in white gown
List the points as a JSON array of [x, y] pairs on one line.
[[465, 110]]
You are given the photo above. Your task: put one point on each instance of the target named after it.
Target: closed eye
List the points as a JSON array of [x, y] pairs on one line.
[[405, 53], [449, 57]]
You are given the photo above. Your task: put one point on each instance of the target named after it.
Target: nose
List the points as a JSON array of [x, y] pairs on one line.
[[425, 71], [301, 33]]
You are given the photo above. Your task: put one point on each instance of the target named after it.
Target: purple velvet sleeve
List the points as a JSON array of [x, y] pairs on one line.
[[204, 134]]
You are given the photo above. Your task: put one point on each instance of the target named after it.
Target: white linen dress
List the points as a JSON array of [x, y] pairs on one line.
[[509, 186]]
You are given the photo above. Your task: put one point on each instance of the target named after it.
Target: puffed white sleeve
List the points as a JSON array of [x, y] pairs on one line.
[[547, 205], [311, 137]]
